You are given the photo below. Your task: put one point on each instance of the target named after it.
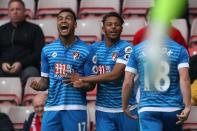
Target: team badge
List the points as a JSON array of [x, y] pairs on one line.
[[114, 56], [75, 55]]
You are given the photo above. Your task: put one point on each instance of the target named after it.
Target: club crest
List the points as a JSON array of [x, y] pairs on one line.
[[75, 55], [114, 56]]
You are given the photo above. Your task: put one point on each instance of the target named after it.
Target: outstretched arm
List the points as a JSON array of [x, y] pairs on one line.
[[116, 74]]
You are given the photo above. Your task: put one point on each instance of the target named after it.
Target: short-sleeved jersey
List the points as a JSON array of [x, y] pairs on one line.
[[109, 93], [57, 62], [159, 82]]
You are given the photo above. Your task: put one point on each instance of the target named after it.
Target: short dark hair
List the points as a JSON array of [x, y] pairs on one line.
[[19, 1], [114, 14], [68, 10]]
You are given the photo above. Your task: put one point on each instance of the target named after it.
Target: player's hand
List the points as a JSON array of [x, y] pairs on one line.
[[35, 85], [78, 84], [183, 116], [6, 67], [71, 78], [128, 113]]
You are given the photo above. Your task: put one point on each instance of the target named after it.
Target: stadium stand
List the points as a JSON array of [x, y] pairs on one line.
[[48, 27], [130, 27], [91, 95], [135, 8], [30, 9], [29, 93], [192, 51], [10, 90], [192, 10], [18, 115], [191, 122], [3, 21], [89, 30], [52, 7], [97, 8], [193, 34], [181, 25]]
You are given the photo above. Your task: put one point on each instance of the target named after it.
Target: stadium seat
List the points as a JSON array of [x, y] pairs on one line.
[[4, 9], [18, 115], [50, 8], [192, 9], [193, 34], [130, 27], [29, 93], [97, 8], [3, 21], [48, 27], [89, 30], [5, 109], [10, 90], [181, 25], [191, 122], [91, 95], [30, 8], [136, 7], [192, 51]]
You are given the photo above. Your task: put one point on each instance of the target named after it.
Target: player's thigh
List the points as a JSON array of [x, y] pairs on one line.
[[75, 120], [169, 121], [105, 122], [51, 121], [128, 124], [150, 121]]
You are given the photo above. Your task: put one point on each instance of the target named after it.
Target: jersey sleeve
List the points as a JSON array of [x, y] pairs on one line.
[[124, 54], [183, 59], [90, 66], [44, 64], [132, 63]]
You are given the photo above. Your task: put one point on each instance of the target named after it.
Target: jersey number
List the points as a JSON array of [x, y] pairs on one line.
[[158, 81], [82, 126]]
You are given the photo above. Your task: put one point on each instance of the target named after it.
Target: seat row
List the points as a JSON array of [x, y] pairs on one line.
[[86, 8], [11, 91]]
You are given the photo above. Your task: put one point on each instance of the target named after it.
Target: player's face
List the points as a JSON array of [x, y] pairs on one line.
[[16, 12], [112, 28], [66, 24]]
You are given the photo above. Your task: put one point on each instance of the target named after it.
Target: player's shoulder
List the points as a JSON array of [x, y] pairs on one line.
[[124, 44], [174, 45], [141, 45], [52, 45], [97, 44]]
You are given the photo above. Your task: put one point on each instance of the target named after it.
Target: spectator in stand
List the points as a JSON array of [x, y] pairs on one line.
[[20, 44], [35, 119], [173, 33], [5, 123]]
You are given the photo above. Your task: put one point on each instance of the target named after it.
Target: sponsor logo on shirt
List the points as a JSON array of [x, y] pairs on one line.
[[62, 69], [54, 54]]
